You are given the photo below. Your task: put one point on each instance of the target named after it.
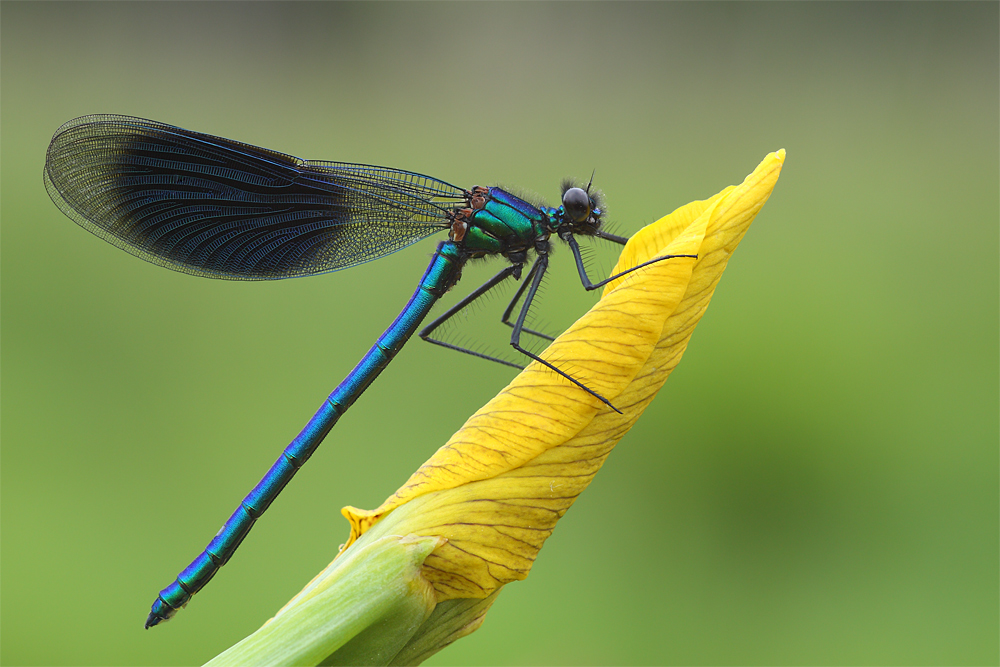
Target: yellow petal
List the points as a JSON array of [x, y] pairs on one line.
[[497, 488]]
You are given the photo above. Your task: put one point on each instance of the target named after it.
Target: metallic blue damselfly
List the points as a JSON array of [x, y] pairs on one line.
[[218, 208]]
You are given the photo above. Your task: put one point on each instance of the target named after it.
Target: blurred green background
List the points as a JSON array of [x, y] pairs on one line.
[[816, 484]]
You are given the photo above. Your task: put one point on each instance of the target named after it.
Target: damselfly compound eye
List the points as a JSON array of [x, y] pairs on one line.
[[576, 203]]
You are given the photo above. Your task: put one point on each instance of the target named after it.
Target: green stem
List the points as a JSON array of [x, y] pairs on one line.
[[361, 610]]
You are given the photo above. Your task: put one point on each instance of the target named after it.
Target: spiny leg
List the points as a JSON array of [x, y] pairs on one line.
[[585, 279], [541, 264], [614, 238], [513, 302], [425, 333]]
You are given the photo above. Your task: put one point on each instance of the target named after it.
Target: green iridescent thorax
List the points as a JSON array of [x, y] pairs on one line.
[[501, 222]]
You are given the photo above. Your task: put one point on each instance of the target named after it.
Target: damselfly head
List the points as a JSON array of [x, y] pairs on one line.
[[581, 211]]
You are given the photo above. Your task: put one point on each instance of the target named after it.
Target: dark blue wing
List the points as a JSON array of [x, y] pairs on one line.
[[223, 209]]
